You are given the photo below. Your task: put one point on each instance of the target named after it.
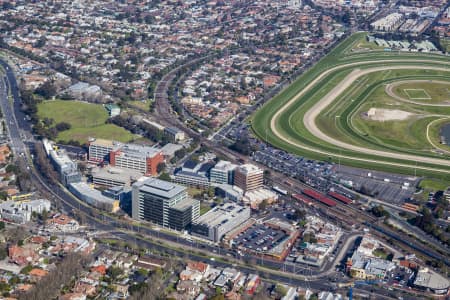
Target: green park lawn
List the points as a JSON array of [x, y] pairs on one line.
[[445, 44], [86, 120], [434, 185], [145, 105]]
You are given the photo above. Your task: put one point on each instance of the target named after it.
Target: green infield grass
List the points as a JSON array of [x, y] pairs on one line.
[[417, 94], [428, 90]]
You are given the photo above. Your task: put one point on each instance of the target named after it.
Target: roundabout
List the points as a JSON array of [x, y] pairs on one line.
[[375, 110]]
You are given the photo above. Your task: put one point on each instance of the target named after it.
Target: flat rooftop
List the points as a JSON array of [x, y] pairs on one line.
[[61, 157], [85, 189], [159, 187], [173, 130], [249, 169], [117, 174], [182, 205], [170, 149], [105, 143], [430, 279], [220, 214], [224, 165], [137, 151]]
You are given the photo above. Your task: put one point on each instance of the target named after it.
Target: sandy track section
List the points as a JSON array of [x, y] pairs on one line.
[[332, 96], [390, 92]]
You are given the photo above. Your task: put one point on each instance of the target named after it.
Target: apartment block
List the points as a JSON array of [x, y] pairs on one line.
[[221, 219], [163, 203], [248, 177], [136, 157], [99, 149], [222, 173]]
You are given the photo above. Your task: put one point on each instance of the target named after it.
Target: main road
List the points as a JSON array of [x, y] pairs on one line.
[[19, 130], [311, 115]]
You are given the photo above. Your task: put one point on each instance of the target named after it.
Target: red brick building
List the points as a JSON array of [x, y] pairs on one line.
[[136, 157]]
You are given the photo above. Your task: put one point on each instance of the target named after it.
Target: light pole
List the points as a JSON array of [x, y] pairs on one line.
[[335, 120]]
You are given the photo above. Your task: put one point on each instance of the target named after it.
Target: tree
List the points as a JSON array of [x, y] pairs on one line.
[[3, 252], [413, 15], [47, 122], [15, 234], [218, 291], [165, 176], [14, 280], [211, 192], [41, 42], [2, 225], [261, 295], [439, 213], [114, 272], [46, 90], [7, 5], [179, 154], [298, 215], [314, 297], [346, 17], [263, 205], [44, 216], [267, 176], [379, 211], [280, 290], [63, 126], [152, 290], [43, 164], [3, 195], [49, 287], [309, 237], [242, 145], [12, 169], [26, 269], [161, 167], [136, 288]]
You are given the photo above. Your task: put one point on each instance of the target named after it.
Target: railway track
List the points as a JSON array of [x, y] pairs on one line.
[[347, 214]]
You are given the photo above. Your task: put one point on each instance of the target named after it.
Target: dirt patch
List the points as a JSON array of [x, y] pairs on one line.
[[381, 114]]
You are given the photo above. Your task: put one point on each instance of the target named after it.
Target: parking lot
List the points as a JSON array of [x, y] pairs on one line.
[[259, 238], [399, 277], [322, 175], [312, 172], [393, 188], [384, 186]]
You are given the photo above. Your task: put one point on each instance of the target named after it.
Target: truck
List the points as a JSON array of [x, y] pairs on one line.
[[280, 190]]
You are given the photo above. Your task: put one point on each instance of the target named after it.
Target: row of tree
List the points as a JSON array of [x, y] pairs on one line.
[[49, 287], [426, 222]]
